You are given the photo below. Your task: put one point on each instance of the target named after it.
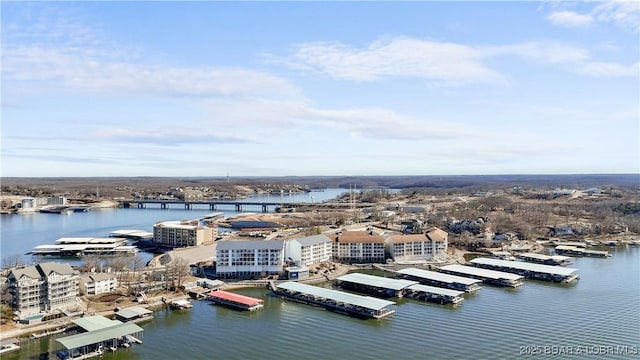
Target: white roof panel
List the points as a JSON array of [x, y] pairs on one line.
[[377, 281], [438, 276], [339, 296]]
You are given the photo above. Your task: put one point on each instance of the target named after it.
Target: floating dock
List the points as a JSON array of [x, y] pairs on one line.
[[439, 279], [546, 259], [529, 270], [334, 300], [181, 304], [234, 300], [578, 251], [434, 294], [85, 246], [374, 285], [492, 277], [9, 345]]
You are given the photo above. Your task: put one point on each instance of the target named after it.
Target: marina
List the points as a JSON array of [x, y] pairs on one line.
[[546, 259], [338, 301], [235, 301], [492, 277], [529, 270], [374, 285], [580, 251], [434, 294], [438, 279], [80, 246]]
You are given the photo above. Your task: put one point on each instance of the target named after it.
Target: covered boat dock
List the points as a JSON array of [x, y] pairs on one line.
[[234, 300], [492, 277], [338, 301], [546, 259], [439, 279], [579, 251], [434, 294], [100, 334], [374, 285], [529, 270]]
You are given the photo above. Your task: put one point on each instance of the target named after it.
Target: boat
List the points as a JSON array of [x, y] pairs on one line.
[[181, 304]]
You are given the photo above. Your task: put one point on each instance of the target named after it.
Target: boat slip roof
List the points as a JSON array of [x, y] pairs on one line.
[[131, 233], [89, 240], [338, 296], [521, 265], [92, 323], [132, 312], [438, 276], [377, 281], [544, 257], [98, 336], [436, 290], [491, 274], [237, 298]]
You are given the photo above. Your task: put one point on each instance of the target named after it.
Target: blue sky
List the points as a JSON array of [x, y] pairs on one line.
[[319, 88]]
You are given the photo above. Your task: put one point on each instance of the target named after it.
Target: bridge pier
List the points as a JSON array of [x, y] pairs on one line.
[[212, 207], [163, 206], [238, 207], [187, 206], [265, 208]]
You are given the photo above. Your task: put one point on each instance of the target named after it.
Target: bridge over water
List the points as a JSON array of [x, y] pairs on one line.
[[237, 205]]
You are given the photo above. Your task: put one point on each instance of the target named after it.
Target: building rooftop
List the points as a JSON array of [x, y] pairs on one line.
[[133, 312], [338, 296], [313, 240], [377, 281]]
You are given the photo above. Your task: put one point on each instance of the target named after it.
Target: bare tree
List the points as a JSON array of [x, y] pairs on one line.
[[177, 271], [12, 261]]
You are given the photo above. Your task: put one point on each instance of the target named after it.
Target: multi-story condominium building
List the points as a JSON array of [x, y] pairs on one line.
[[246, 259], [412, 247], [42, 288], [309, 250], [359, 247], [98, 283], [172, 234]]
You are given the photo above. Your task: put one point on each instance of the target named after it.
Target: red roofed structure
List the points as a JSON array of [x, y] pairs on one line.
[[235, 300]]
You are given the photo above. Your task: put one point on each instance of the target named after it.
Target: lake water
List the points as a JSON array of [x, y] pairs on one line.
[[599, 315]]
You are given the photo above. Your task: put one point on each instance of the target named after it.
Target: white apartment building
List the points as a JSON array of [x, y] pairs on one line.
[[249, 258], [359, 247], [309, 250], [98, 283], [172, 234], [42, 288], [414, 247]]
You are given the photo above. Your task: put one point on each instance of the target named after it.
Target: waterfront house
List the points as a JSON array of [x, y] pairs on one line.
[[359, 246], [98, 283], [308, 250], [172, 234], [249, 258], [46, 287]]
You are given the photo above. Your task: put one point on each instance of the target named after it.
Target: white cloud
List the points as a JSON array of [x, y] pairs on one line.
[[623, 13], [397, 57], [570, 19], [84, 70], [446, 63]]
